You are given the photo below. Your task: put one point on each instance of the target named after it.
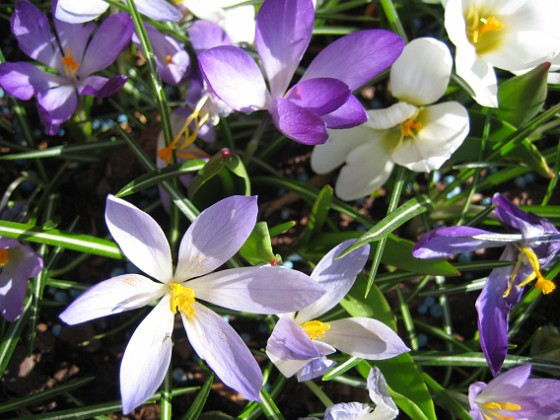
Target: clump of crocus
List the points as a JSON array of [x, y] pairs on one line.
[[210, 241], [74, 53], [534, 245], [299, 344], [323, 97], [513, 395], [413, 133], [503, 34]]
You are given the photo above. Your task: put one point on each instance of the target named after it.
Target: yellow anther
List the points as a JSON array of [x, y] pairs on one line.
[[315, 329], [411, 127], [488, 25], [479, 29], [4, 257], [491, 407], [527, 255], [70, 65], [168, 59], [182, 299], [545, 286]]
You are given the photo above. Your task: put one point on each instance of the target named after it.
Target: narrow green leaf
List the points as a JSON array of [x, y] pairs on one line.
[[341, 368], [235, 165], [281, 228], [198, 404], [447, 400], [318, 214], [12, 337], [257, 249], [269, 407]]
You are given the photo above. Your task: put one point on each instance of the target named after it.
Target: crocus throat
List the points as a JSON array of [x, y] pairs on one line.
[[315, 329], [182, 299], [527, 255], [4, 257], [491, 407], [411, 127], [481, 31], [70, 65]]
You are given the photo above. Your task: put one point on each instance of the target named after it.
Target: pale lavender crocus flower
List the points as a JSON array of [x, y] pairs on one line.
[[533, 246], [211, 240], [323, 97], [513, 395], [18, 263], [299, 344], [74, 53]]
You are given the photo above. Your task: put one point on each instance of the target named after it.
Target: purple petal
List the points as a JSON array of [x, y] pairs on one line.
[[205, 35], [73, 40], [73, 11], [319, 96], [298, 123], [23, 80], [283, 33], [35, 38], [350, 114], [364, 337], [147, 357], [159, 10], [216, 342], [348, 411], [475, 389], [56, 106], [234, 77], [288, 341], [140, 238], [101, 87], [493, 312], [215, 236], [315, 368], [357, 58], [516, 377], [112, 36], [336, 277], [262, 289], [443, 242], [113, 296]]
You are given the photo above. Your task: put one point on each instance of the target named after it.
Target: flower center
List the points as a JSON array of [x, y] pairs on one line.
[[411, 127], [70, 65], [315, 329], [482, 31], [527, 255], [491, 407], [168, 59], [4, 257], [182, 299]]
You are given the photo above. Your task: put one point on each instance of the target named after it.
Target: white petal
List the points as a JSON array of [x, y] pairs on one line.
[[383, 119], [421, 73], [239, 23], [72, 11], [479, 75], [147, 357], [444, 127], [385, 408], [288, 368], [364, 337], [113, 296], [140, 238]]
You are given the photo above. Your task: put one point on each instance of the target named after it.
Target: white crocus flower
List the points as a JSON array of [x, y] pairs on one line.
[[409, 133], [508, 34]]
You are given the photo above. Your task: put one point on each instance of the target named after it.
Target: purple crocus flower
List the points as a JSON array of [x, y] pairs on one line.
[[74, 53], [212, 239], [299, 344], [534, 246], [512, 395], [323, 97], [18, 263]]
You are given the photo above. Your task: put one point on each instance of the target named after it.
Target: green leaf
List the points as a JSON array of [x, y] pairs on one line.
[[198, 404], [156, 177], [526, 152], [318, 213], [269, 407], [522, 97], [235, 165], [257, 249], [281, 228], [77, 242]]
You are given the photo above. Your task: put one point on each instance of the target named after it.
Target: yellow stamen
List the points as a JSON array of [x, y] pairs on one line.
[[315, 329], [411, 127], [182, 299], [527, 255], [492, 406], [4, 257], [490, 24], [481, 30], [70, 65], [169, 59]]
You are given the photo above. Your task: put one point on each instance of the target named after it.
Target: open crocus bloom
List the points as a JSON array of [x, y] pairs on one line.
[[533, 247], [18, 263], [79, 55], [299, 344], [212, 239], [509, 35], [323, 97], [410, 133], [512, 395], [80, 11]]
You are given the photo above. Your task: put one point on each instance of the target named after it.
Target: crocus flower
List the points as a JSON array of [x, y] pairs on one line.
[[533, 246], [509, 35], [212, 239], [18, 263], [81, 11], [74, 53], [411, 133], [172, 61], [512, 395], [299, 343], [323, 97]]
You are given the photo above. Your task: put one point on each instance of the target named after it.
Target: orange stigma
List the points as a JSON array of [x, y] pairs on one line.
[[70, 65]]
